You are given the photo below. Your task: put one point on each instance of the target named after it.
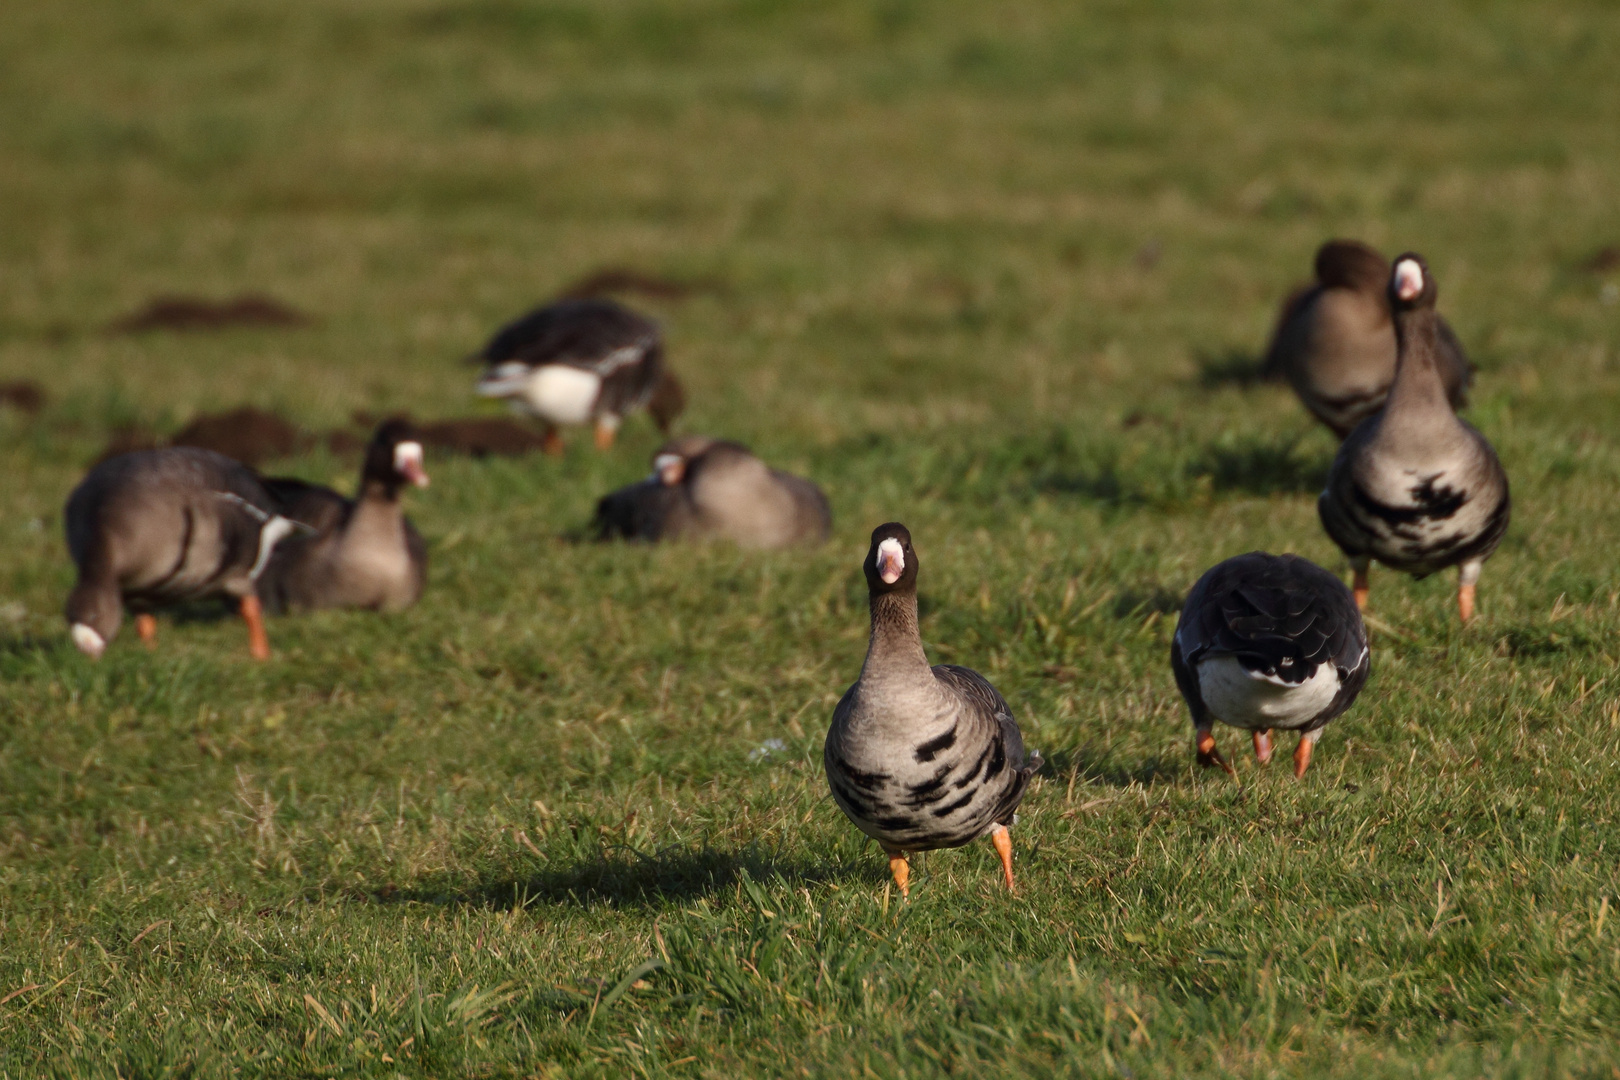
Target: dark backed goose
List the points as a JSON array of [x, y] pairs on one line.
[[1413, 486], [710, 489], [361, 552], [921, 758], [582, 361], [1268, 642], [1335, 340], [159, 527]]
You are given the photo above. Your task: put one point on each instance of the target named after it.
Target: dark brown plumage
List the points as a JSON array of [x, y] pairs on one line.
[[1335, 341]]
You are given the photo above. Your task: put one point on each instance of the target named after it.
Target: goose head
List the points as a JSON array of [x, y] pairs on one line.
[[394, 458], [1411, 286], [671, 460], [891, 564]]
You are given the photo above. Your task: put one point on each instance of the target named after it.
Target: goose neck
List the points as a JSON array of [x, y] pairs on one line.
[[896, 649]]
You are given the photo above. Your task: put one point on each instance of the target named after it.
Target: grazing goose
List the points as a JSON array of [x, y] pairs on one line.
[[1413, 486], [579, 361], [362, 552], [709, 489], [921, 758], [1335, 340], [1268, 642], [159, 527]]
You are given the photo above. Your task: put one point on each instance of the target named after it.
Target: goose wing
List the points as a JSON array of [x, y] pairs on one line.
[[1280, 615], [595, 335]]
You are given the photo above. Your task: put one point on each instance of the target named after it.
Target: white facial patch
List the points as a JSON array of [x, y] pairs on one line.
[[1408, 279], [669, 468], [891, 561], [88, 641], [408, 463]]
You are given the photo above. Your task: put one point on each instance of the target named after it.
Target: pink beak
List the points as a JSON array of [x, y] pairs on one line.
[[891, 563]]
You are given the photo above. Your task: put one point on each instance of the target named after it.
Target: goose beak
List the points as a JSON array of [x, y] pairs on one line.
[[669, 468], [891, 561], [88, 641], [408, 462], [1408, 280]]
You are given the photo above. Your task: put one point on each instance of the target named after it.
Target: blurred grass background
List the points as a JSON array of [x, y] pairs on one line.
[[983, 268]]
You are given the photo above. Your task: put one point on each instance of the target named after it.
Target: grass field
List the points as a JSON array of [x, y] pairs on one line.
[[984, 268]]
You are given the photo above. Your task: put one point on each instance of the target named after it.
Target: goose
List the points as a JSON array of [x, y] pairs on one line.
[[361, 552], [158, 527], [921, 758], [703, 488], [1413, 486], [1335, 340], [1268, 642], [582, 361]]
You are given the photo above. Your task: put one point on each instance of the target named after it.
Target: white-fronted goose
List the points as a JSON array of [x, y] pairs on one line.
[[159, 527], [1335, 340], [710, 489], [582, 361], [1413, 486], [920, 757], [1268, 642], [361, 552]]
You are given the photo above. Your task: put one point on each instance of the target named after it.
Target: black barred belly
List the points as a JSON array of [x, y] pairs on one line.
[[1441, 527], [926, 806]]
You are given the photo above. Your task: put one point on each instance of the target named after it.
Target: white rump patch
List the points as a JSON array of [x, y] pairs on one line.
[[562, 394], [1247, 699], [1408, 279], [88, 641]]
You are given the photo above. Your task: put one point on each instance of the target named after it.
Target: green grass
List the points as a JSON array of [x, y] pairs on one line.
[[976, 258]]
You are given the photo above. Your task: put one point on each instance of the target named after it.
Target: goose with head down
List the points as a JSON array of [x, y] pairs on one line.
[[1414, 486], [918, 757], [155, 528], [356, 553], [582, 361], [1335, 340], [712, 489], [1268, 642]]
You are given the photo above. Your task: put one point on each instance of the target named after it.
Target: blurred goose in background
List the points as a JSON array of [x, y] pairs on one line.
[[582, 361], [919, 757], [710, 489], [1268, 642], [1335, 340], [160, 527], [361, 552], [1413, 486]]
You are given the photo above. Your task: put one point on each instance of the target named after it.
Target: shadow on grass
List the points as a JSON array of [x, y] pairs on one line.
[[1262, 467], [622, 877], [1233, 367], [1090, 767]]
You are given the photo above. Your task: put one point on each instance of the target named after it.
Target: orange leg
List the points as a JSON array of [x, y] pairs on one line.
[[1208, 755], [1262, 747], [253, 615], [1361, 588], [1302, 756], [1000, 837], [551, 442], [604, 435], [146, 627], [1465, 602], [902, 873]]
